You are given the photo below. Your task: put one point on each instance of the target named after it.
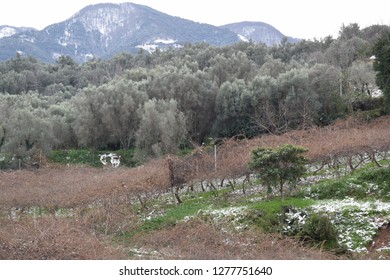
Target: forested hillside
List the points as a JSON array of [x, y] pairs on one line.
[[166, 100]]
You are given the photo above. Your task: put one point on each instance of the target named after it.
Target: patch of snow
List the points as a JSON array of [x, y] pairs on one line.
[[64, 40], [55, 56], [243, 38], [141, 252], [62, 43], [231, 216], [377, 93], [339, 205], [228, 212], [386, 248], [103, 20], [148, 47], [247, 31], [165, 41], [89, 56], [7, 32], [357, 222], [177, 46], [28, 39]]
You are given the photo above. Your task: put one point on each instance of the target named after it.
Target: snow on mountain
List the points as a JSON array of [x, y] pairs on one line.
[[104, 30], [7, 31], [258, 32]]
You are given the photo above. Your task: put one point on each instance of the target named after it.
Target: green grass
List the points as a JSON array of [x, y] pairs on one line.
[[172, 214], [366, 183], [276, 205], [6, 162], [267, 214], [91, 157]]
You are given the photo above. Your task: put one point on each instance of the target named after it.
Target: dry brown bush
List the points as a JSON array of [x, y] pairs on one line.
[[344, 139], [51, 238], [62, 186]]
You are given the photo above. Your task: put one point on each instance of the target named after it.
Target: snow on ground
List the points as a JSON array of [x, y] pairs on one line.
[[357, 222]]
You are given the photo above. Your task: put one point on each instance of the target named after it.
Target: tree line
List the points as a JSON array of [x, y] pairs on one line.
[[165, 100]]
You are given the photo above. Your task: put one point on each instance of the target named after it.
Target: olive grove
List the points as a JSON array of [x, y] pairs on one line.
[[162, 101]]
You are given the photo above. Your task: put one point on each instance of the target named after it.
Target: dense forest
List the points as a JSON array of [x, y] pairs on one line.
[[162, 101]]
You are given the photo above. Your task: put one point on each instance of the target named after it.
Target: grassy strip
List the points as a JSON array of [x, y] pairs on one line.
[[91, 157], [363, 184]]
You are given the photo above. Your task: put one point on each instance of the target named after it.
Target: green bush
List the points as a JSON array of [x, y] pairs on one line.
[[379, 180], [378, 176], [319, 228], [6, 162], [280, 166]]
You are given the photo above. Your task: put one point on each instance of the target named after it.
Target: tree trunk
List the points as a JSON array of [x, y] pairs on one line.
[[174, 189], [176, 193], [281, 190]]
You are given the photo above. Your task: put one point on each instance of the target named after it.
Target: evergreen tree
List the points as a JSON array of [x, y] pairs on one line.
[[278, 166], [382, 66], [162, 128]]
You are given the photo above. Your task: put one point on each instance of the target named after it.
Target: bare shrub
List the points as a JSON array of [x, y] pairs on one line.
[[50, 238]]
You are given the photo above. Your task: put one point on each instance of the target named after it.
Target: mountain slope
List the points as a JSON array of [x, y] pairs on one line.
[[103, 30], [8, 31], [258, 32]]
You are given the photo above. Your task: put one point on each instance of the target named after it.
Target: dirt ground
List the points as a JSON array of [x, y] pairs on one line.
[[380, 245]]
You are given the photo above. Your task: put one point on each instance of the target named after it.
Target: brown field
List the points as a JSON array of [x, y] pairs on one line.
[[87, 234], [99, 203]]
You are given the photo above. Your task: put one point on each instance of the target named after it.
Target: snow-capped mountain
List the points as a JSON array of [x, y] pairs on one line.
[[8, 31], [104, 30], [258, 32]]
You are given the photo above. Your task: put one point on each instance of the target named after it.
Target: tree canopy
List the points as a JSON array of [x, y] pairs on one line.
[[169, 98], [278, 166], [382, 66]]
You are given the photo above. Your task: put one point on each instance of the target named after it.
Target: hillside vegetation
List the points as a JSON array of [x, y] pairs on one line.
[[162, 102], [81, 212], [185, 123]]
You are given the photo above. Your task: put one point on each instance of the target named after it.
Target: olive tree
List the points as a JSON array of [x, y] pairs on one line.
[[26, 129], [162, 127], [363, 77], [195, 94], [106, 116], [382, 66], [324, 80], [301, 101], [230, 114]]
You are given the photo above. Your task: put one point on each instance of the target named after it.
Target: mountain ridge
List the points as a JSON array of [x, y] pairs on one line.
[[258, 32], [105, 29]]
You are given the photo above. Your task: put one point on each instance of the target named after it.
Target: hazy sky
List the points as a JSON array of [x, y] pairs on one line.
[[297, 18]]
